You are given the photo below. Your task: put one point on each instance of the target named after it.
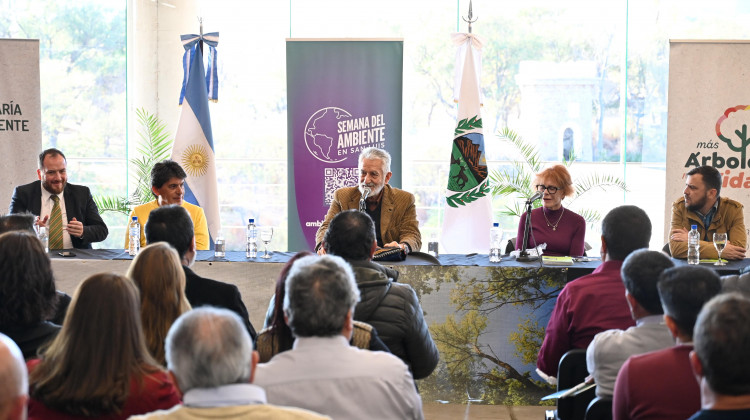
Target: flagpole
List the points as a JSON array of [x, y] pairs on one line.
[[200, 22], [469, 21]]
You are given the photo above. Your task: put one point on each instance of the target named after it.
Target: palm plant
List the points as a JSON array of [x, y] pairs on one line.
[[518, 179], [154, 146]]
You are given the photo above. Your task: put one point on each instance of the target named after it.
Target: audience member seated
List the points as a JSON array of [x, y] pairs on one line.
[[561, 229], [392, 308], [157, 272], [18, 221], [610, 349], [99, 366], [168, 187], [594, 303], [173, 225], [14, 382], [322, 372], [210, 355], [660, 385], [719, 361], [27, 292], [25, 222], [276, 337]]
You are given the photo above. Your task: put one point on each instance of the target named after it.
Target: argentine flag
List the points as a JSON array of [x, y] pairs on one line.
[[194, 146]]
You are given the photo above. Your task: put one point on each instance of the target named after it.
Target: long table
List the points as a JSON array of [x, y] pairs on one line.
[[485, 317]]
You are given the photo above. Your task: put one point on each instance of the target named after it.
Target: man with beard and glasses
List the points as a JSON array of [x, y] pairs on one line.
[[392, 210], [67, 209], [702, 206]]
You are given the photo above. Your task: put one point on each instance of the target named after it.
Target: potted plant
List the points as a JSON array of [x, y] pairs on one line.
[[154, 146]]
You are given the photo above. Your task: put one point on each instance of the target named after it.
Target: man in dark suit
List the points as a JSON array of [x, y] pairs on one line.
[[392, 210], [81, 223], [172, 224]]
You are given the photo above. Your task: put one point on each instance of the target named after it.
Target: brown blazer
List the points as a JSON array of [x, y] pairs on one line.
[[398, 215]]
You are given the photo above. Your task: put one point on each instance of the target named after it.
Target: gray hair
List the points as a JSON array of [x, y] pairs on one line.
[[208, 347], [320, 291], [376, 153], [14, 380], [722, 342]]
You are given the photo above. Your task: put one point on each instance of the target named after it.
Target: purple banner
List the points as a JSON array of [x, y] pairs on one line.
[[342, 96]]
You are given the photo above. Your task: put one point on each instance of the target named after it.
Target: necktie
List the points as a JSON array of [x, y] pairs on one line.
[[55, 225]]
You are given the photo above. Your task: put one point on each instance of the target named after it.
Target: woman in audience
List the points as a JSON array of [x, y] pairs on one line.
[[27, 292], [561, 229], [158, 273], [276, 337], [98, 365]]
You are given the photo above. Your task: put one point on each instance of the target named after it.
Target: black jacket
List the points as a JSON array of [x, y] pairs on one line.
[[78, 203], [201, 291], [394, 310]]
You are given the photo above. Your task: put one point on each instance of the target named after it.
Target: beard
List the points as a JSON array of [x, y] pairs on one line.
[[375, 189], [696, 206], [51, 188]]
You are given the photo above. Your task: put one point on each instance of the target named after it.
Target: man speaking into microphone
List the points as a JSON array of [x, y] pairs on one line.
[[392, 210]]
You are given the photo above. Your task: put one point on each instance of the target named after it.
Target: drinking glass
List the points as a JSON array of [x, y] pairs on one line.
[[720, 241], [266, 233], [43, 235]]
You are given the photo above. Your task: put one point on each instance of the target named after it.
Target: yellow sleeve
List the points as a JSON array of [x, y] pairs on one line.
[[200, 225]]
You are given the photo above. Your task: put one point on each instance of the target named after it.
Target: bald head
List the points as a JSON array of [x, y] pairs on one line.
[[14, 381]]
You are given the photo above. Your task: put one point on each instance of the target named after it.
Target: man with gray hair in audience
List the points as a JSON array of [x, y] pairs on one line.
[[323, 372], [14, 381], [211, 360], [719, 361]]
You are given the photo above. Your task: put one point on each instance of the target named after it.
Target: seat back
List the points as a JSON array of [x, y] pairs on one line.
[[599, 409], [570, 372]]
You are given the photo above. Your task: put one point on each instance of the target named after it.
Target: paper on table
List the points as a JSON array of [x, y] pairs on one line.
[[570, 392], [550, 260]]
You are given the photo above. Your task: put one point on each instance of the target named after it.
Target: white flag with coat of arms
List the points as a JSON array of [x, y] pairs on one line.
[[468, 211]]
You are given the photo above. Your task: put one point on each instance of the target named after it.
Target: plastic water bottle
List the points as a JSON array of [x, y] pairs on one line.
[[694, 240], [252, 239], [219, 246], [496, 237], [134, 232]]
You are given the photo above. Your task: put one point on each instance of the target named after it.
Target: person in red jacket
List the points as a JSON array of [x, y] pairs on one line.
[[594, 303]]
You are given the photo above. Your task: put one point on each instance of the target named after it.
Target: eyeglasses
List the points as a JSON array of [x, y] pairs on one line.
[[550, 189]]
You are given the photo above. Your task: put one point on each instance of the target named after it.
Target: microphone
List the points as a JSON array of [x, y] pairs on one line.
[[536, 196], [365, 193]]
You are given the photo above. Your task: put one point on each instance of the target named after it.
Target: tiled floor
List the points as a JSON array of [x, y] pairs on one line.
[[434, 411]]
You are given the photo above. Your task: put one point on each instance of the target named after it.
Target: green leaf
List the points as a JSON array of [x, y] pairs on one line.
[[154, 146], [461, 199], [112, 203], [468, 124]]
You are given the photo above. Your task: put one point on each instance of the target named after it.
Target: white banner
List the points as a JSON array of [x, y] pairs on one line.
[[709, 117], [20, 114]]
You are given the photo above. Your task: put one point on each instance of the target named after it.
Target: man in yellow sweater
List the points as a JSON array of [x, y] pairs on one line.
[[168, 186]]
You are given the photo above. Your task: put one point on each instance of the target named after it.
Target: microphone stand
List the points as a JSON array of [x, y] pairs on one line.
[[523, 255]]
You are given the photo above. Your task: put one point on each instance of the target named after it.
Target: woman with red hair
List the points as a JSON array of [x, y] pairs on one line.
[[561, 229]]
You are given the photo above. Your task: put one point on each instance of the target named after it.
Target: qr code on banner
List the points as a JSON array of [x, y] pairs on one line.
[[336, 178]]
